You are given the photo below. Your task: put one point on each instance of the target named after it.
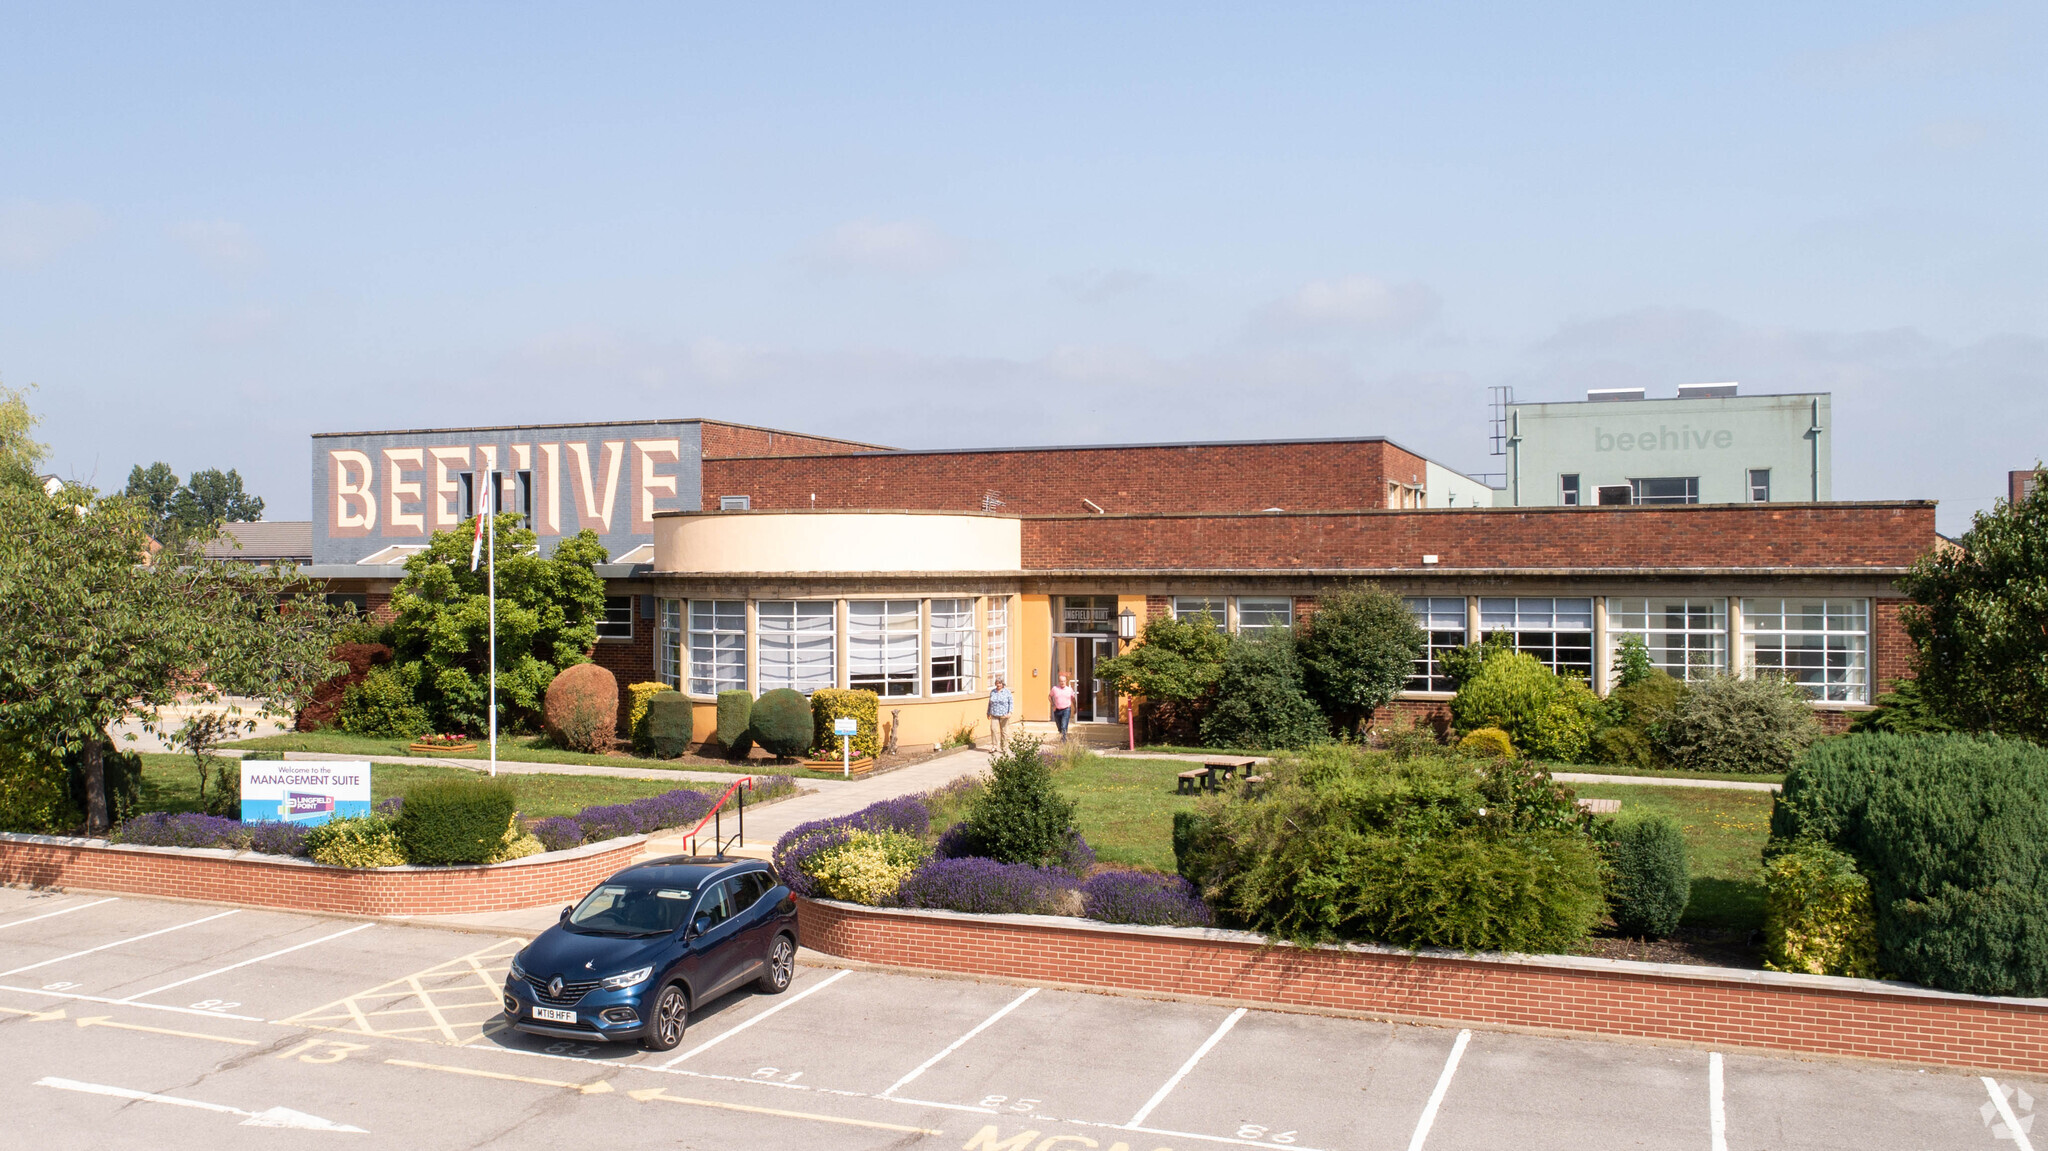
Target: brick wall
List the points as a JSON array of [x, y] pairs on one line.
[[1891, 649], [1611, 538], [630, 660], [739, 440], [1232, 477], [1752, 1009], [299, 885]]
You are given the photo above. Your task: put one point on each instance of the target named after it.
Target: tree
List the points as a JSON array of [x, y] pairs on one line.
[[1979, 619], [1260, 702], [1174, 668], [154, 490], [182, 514], [1357, 651], [548, 608], [21, 457], [94, 635]]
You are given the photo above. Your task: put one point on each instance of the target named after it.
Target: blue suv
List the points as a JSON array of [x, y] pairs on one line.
[[650, 943]]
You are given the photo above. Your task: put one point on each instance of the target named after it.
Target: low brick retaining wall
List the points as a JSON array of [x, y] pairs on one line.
[[1704, 1005], [252, 878]]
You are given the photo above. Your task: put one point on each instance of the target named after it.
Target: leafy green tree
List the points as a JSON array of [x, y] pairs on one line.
[[21, 457], [154, 489], [94, 634], [1356, 651], [1260, 702], [1632, 663], [1174, 668], [1020, 817], [1979, 619], [548, 609], [213, 497]]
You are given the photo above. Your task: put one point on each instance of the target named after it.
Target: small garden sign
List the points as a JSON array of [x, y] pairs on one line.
[[304, 793]]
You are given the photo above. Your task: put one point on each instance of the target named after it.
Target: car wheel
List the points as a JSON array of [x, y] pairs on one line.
[[671, 1015], [781, 967]]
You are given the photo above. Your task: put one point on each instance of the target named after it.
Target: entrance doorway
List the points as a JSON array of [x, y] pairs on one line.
[[1086, 635]]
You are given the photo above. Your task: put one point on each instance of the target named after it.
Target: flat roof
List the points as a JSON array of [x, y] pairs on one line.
[[607, 424], [1621, 403]]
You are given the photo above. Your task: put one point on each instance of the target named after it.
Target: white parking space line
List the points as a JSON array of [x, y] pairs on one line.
[[957, 1044], [1436, 1097], [246, 962], [1166, 1089], [207, 1012], [1717, 1107], [792, 1001], [2013, 1130], [117, 943], [55, 914]]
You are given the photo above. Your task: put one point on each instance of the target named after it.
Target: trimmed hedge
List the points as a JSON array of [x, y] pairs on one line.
[[637, 695], [671, 721], [864, 707], [1817, 914], [1949, 831], [455, 820], [1726, 723], [1652, 881], [736, 721], [1490, 741], [782, 722]]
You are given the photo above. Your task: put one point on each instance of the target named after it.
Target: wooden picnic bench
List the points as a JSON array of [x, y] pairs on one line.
[[1211, 773]]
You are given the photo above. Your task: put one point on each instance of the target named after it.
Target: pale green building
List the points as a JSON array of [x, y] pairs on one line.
[[1707, 445]]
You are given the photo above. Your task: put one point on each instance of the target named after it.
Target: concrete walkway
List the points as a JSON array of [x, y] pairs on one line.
[[1664, 781], [821, 799]]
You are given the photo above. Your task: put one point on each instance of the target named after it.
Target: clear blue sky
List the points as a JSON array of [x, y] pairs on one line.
[[223, 229]]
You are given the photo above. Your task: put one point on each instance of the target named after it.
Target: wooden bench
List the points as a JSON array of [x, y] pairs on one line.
[[1191, 782]]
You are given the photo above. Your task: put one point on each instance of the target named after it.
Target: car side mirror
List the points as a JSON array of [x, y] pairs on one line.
[[700, 925], [565, 914]]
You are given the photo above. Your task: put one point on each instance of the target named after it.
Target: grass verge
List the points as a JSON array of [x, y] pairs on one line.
[[1725, 833], [1126, 807]]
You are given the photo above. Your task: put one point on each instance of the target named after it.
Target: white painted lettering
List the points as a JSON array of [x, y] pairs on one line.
[[650, 485], [447, 489], [400, 492], [987, 1139], [355, 496], [594, 506], [550, 511]]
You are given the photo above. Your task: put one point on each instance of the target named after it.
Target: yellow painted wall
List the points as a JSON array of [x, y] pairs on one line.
[[1032, 657]]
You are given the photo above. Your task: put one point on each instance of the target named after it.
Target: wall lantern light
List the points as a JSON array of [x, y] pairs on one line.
[[1127, 625]]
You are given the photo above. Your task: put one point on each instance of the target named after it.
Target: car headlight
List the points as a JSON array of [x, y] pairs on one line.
[[518, 972], [628, 979]]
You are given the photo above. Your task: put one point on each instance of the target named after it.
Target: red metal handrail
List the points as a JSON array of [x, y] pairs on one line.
[[746, 781]]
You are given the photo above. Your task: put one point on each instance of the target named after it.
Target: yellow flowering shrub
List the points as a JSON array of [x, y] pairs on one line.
[[1818, 918], [868, 867], [636, 710]]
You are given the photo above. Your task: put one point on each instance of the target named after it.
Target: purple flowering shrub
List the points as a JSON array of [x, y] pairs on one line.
[[190, 829], [679, 808], [1077, 857], [956, 842], [985, 887], [904, 814], [278, 838], [1144, 897], [556, 832], [391, 807]]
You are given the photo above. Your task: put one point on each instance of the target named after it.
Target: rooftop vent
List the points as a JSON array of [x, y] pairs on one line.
[[1602, 395], [1705, 391]]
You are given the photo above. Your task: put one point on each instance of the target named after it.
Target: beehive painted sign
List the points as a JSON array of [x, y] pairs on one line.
[[378, 496]]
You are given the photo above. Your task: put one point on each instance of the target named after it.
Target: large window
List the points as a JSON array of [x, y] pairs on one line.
[[953, 664], [998, 636], [1688, 638], [1666, 490], [1258, 616], [881, 645], [1187, 607], [1442, 620], [1823, 645], [1557, 631], [617, 620], [794, 641], [668, 643], [718, 645]]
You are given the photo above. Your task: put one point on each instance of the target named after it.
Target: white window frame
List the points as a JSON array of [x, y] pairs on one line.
[[998, 642], [735, 503], [1216, 607], [718, 646], [1692, 490], [1506, 614], [883, 648], [1842, 674], [668, 642], [796, 644], [1750, 477], [1702, 630], [606, 620], [952, 638], [1446, 627], [1285, 609]]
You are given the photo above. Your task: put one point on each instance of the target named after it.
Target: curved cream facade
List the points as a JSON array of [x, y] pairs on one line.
[[803, 541]]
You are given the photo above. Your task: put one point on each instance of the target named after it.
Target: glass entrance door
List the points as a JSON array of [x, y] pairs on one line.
[[1077, 655]]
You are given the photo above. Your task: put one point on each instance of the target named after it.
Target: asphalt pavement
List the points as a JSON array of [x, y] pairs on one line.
[[128, 1022]]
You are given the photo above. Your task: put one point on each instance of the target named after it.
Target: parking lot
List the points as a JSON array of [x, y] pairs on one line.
[[136, 1023]]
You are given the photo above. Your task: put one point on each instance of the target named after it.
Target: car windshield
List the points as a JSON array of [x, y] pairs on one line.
[[625, 909]]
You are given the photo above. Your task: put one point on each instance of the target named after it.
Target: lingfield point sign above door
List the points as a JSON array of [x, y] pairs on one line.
[[377, 496]]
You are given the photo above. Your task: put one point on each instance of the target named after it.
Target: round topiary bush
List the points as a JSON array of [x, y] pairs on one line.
[[736, 722], [582, 708], [1488, 741], [1652, 880], [1723, 723], [670, 722], [455, 820], [782, 722]]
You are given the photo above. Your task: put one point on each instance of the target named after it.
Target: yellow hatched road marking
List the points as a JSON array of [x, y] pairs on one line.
[[598, 1087], [441, 994]]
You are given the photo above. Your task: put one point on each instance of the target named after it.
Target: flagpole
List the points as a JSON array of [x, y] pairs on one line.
[[491, 593]]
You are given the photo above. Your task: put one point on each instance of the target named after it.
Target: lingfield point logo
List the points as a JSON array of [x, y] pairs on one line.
[[2010, 1114], [1683, 438]]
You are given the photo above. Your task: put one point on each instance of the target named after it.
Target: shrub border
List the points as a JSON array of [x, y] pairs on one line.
[[1722, 1007], [256, 879]]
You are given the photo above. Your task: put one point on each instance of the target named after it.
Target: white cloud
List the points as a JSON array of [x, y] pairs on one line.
[[223, 245], [893, 247], [1353, 305], [32, 232]]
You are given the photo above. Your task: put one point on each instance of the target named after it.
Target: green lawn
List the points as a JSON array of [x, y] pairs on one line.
[[169, 783], [1583, 768], [512, 749], [1724, 838], [1126, 807]]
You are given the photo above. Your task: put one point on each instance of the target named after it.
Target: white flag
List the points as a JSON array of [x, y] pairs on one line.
[[476, 547]]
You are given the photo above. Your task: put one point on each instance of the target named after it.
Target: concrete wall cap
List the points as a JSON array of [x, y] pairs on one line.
[[263, 857]]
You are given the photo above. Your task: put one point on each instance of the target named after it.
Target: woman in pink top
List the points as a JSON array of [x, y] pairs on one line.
[[1062, 704]]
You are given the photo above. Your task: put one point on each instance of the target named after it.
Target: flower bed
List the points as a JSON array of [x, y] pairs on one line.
[[678, 808]]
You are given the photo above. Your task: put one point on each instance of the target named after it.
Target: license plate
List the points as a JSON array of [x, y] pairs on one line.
[[554, 1015]]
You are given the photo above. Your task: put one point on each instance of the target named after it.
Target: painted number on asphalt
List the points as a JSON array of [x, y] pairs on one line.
[[216, 1004], [1005, 1103], [58, 986], [579, 1050], [322, 1051], [1254, 1131], [778, 1075]]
